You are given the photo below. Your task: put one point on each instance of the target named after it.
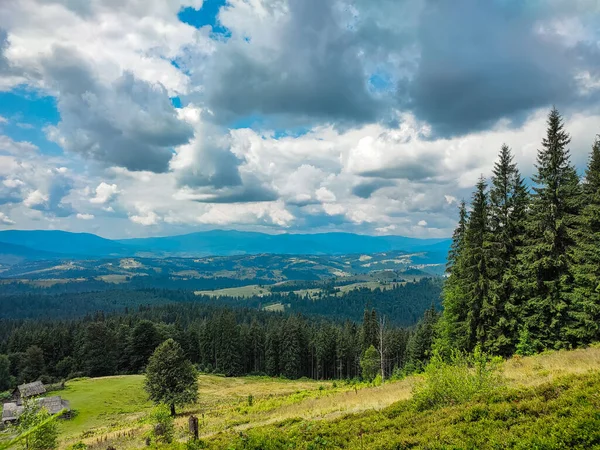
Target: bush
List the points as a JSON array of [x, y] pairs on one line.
[[459, 381], [43, 432], [163, 428]]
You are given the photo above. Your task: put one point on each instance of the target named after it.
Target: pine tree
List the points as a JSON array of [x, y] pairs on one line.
[[6, 380], [418, 349], [144, 340], [272, 350], [585, 310], [34, 365], [546, 262], [508, 206], [452, 331], [475, 266]]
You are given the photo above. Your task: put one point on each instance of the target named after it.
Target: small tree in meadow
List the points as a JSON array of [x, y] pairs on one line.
[[171, 379]]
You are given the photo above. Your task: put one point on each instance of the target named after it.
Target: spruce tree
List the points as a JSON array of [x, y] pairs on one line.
[[475, 266], [507, 210], [546, 262], [452, 331], [585, 310]]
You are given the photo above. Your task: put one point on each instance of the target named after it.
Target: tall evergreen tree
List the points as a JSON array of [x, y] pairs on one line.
[[585, 310], [144, 340], [475, 266], [546, 268], [452, 331], [508, 200], [420, 342], [34, 365]]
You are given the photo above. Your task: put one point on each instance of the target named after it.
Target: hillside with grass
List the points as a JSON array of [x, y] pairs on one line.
[[549, 400]]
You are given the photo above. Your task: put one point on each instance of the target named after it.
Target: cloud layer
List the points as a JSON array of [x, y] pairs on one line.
[[294, 115]]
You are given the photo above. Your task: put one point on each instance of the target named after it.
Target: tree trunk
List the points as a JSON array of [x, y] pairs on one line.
[[173, 409], [381, 349]]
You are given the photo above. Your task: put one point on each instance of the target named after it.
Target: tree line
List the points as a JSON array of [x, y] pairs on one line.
[[230, 341], [524, 265], [403, 304]]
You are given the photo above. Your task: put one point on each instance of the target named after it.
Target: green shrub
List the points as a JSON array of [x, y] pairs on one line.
[[43, 432], [457, 381], [163, 428]]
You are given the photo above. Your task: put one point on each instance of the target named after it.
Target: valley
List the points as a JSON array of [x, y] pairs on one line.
[[111, 410]]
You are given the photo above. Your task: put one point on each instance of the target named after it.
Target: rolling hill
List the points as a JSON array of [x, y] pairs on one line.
[[44, 244]]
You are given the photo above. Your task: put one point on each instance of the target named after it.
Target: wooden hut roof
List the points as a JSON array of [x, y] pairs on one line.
[[11, 412], [53, 404], [32, 389]]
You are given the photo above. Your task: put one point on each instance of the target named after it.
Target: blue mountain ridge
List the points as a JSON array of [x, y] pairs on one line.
[[42, 244]]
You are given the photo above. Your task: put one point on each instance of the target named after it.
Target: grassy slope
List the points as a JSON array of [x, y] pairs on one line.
[[543, 401], [254, 289]]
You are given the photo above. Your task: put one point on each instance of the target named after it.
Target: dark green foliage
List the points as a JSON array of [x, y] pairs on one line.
[[524, 270], [476, 257], [585, 309], [552, 219], [170, 378], [420, 342], [98, 349], [144, 340], [222, 340], [33, 364], [507, 212], [6, 379], [370, 363], [452, 328]]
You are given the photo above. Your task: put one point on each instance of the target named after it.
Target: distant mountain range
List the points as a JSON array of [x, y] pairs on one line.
[[17, 245]]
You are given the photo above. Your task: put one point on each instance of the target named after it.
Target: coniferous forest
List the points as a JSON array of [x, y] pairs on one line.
[[524, 266], [222, 340]]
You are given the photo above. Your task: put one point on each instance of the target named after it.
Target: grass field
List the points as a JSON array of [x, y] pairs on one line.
[[242, 291], [302, 412], [103, 404], [256, 290]]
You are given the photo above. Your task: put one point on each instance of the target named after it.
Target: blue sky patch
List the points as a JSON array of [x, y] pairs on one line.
[[27, 114], [207, 15]]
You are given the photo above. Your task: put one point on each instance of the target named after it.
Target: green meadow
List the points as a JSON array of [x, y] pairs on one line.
[[547, 401]]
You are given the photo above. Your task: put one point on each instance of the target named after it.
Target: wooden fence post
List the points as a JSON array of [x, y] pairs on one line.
[[193, 422]]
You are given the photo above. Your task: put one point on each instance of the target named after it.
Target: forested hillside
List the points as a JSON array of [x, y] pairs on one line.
[[402, 304], [525, 263], [228, 341]]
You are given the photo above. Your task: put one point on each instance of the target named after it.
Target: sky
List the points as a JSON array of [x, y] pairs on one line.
[[131, 118]]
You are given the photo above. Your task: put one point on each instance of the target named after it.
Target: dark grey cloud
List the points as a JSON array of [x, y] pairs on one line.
[[60, 186], [9, 195], [4, 64], [6, 68], [314, 72], [130, 123], [484, 61], [414, 170], [215, 166], [366, 189], [247, 193], [459, 67]]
